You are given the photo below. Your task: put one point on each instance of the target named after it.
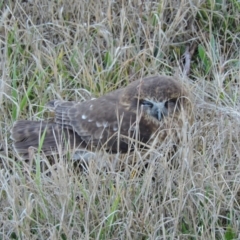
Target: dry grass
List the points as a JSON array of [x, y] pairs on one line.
[[67, 49]]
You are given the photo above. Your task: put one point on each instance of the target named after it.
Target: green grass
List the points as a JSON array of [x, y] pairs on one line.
[[75, 50]]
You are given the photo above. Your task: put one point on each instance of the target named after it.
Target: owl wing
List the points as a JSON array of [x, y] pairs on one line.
[[96, 121]]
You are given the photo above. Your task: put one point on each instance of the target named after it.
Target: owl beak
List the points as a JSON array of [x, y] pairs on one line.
[[159, 115], [159, 111]]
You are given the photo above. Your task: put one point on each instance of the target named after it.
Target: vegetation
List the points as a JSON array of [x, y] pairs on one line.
[[73, 50]]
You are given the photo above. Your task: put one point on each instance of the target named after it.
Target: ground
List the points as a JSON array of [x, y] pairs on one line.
[[75, 50]]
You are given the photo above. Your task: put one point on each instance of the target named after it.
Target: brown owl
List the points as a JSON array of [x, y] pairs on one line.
[[117, 121]]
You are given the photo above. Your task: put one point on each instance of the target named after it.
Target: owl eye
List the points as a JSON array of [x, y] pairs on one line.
[[171, 103], [146, 103]]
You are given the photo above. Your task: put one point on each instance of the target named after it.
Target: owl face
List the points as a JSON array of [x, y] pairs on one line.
[[157, 98], [159, 110]]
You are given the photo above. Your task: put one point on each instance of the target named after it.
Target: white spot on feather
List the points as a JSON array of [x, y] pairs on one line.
[[90, 120], [91, 107], [105, 124], [98, 124], [133, 128], [115, 128], [84, 116]]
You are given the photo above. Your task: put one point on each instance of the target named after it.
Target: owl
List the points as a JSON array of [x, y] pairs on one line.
[[118, 121]]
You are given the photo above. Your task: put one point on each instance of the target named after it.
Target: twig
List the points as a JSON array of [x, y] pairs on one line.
[[186, 59]]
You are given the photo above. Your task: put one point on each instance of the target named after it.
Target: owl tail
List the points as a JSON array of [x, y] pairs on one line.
[[47, 137]]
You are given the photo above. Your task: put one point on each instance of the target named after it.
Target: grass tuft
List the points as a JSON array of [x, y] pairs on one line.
[[75, 50]]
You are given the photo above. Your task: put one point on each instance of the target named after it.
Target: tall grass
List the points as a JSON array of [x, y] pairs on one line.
[[74, 50]]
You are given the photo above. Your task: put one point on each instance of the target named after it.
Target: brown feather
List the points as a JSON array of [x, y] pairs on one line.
[[26, 134], [97, 122]]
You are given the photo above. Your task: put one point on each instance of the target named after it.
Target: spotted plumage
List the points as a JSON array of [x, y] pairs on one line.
[[137, 112]]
